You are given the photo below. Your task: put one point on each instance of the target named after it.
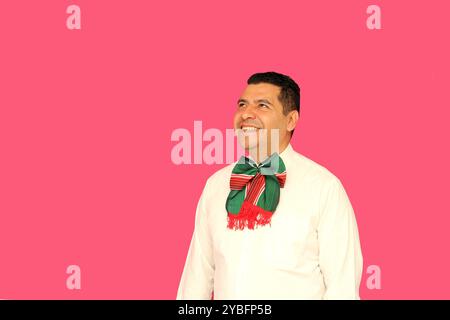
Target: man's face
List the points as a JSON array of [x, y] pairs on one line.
[[259, 108]]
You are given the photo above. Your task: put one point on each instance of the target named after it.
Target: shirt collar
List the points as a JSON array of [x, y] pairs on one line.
[[283, 154], [286, 152]]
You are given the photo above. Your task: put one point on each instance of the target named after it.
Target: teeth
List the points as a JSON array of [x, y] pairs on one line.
[[245, 129]]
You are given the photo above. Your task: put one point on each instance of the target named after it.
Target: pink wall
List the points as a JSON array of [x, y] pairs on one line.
[[86, 117]]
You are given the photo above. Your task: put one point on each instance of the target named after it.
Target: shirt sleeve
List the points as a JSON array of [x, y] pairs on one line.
[[197, 280], [340, 256]]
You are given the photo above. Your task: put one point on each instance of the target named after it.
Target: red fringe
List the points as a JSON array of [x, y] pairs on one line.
[[249, 216]]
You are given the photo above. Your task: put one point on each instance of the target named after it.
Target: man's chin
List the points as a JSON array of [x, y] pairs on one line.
[[256, 149], [249, 146]]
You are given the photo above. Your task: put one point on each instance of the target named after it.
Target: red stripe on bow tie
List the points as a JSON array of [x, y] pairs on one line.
[[238, 181]]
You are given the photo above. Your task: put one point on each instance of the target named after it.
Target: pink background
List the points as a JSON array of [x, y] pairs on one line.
[[86, 118]]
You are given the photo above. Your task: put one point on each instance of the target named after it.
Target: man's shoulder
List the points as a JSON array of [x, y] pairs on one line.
[[312, 170]]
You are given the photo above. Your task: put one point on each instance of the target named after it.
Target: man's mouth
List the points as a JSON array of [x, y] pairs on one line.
[[246, 128]]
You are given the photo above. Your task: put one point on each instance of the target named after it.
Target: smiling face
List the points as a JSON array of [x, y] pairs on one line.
[[259, 108]]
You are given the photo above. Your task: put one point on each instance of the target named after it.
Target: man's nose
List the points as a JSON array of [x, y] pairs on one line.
[[248, 113]]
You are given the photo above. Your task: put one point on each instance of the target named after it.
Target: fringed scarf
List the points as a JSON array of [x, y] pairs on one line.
[[255, 192]]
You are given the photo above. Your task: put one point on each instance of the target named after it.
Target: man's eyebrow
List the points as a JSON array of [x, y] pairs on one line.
[[257, 101], [264, 101]]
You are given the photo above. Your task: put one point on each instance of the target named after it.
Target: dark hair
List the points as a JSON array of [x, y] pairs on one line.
[[289, 96]]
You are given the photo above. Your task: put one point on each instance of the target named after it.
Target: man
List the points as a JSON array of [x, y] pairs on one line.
[[277, 226]]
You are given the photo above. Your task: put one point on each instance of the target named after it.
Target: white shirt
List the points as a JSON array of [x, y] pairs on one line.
[[311, 250]]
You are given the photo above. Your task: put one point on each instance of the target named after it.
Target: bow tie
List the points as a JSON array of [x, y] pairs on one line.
[[255, 192]]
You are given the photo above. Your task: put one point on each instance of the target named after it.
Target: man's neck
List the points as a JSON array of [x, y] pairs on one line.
[[258, 158]]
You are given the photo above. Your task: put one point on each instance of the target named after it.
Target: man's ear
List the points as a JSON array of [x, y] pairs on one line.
[[292, 120]]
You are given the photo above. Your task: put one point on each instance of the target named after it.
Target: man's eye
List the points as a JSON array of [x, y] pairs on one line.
[[240, 105], [263, 105]]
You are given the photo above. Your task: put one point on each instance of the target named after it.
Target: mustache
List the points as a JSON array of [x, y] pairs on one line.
[[249, 124]]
